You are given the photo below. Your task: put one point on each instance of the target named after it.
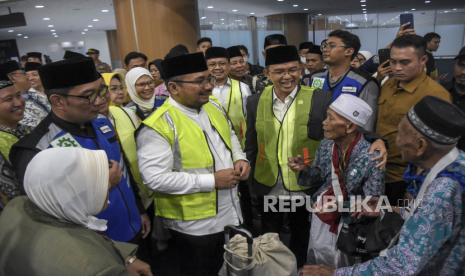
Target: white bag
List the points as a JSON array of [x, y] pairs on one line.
[[270, 257]]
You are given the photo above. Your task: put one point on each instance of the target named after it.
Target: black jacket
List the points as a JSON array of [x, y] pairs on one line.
[[458, 100]]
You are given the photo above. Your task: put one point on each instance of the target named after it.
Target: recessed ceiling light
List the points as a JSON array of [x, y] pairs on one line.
[[85, 30], [19, 34], [222, 19], [39, 6], [95, 20], [295, 5], [25, 36], [362, 1], [54, 34], [203, 17], [222, 23], [280, 0], [234, 10], [89, 26], [319, 14], [10, 31], [446, 11], [52, 30], [105, 10], [209, 7], [413, 9], [363, 5], [454, 9], [427, 1], [305, 9], [252, 13], [46, 18], [50, 26], [364, 11]]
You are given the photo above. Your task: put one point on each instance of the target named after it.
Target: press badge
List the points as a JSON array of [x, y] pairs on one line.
[[318, 83], [349, 89], [105, 129]]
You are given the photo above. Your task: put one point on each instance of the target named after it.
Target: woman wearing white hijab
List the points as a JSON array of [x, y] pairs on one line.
[[54, 231], [141, 90]]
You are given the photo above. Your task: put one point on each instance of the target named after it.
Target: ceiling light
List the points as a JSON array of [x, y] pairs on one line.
[[280, 0], [363, 1], [319, 14], [203, 17], [52, 31], [95, 20], [364, 11], [413, 9], [46, 18], [39, 6], [446, 11], [454, 9], [83, 33], [105, 10], [10, 31], [427, 1], [25, 36], [50, 26], [85, 30], [54, 34], [222, 19], [209, 7], [19, 34], [252, 13], [234, 10], [89, 26], [222, 23], [363, 5], [305, 9], [295, 5]]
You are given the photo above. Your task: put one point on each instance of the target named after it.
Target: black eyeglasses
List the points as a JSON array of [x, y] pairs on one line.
[[209, 80], [100, 92]]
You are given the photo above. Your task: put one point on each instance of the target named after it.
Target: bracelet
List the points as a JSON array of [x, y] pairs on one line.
[[131, 260]]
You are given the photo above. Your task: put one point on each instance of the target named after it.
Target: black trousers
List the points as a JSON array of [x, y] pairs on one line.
[[296, 223], [198, 255], [246, 206]]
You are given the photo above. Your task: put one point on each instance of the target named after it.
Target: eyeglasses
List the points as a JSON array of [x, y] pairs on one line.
[[282, 73], [208, 80], [100, 93], [325, 46], [149, 83]]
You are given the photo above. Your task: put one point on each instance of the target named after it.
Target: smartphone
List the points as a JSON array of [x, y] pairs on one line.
[[384, 54], [407, 18]]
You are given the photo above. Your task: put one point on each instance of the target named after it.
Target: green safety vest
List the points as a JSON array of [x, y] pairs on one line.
[[125, 129], [7, 140], [277, 141], [192, 154], [235, 110]]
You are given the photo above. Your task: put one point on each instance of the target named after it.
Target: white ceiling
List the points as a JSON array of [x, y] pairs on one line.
[[69, 16]]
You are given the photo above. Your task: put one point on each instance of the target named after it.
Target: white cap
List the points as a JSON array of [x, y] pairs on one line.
[[352, 108], [366, 54]]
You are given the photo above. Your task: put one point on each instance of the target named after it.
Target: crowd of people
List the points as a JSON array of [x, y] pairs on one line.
[[105, 171]]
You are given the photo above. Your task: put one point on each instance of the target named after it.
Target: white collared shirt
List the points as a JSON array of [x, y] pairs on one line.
[[155, 158], [221, 93]]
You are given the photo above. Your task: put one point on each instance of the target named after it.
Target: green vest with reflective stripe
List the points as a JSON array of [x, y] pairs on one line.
[[277, 141], [125, 129], [192, 154], [6, 142], [235, 110]]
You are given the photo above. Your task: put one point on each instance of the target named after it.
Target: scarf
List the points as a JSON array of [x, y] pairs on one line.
[[131, 77]]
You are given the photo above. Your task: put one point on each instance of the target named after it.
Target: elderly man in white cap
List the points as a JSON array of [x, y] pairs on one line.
[[342, 167]]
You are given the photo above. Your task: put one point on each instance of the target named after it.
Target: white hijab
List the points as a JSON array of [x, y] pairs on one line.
[[131, 77], [70, 184]]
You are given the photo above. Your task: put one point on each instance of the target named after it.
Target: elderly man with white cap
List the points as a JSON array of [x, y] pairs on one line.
[[342, 167]]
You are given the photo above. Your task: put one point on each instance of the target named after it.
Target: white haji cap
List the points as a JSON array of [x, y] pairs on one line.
[[366, 54], [352, 108]]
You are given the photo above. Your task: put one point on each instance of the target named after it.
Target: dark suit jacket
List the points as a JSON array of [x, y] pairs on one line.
[[320, 103]]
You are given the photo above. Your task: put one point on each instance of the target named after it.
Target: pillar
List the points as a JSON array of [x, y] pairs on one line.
[[294, 26], [155, 26]]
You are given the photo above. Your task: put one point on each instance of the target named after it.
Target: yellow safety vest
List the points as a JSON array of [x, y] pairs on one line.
[[125, 129], [191, 154], [277, 141], [7, 140], [235, 110]]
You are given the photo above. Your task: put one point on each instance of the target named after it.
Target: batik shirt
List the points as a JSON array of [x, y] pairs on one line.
[[361, 175], [432, 241], [36, 109]]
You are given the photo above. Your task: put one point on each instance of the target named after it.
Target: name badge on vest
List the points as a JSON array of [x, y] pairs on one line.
[[65, 141], [105, 129], [349, 89], [318, 83]]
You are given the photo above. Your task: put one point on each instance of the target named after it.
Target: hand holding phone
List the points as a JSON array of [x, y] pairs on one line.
[[407, 19]]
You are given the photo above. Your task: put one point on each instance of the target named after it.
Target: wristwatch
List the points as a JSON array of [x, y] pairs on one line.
[[131, 259]]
